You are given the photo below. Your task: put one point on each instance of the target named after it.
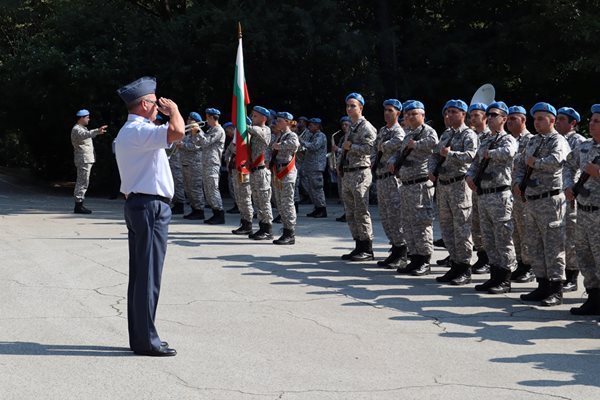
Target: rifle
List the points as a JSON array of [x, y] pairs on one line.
[[377, 161], [583, 178], [406, 151], [438, 167], [523, 184], [345, 152], [484, 164]]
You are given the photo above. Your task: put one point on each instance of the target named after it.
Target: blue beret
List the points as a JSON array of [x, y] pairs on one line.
[[285, 115], [345, 118], [195, 116], [406, 102], [500, 105], [302, 118], [517, 110], [82, 113], [212, 111], [315, 121], [546, 107], [357, 96], [227, 125], [394, 103], [596, 108], [138, 88], [273, 113], [477, 106], [262, 110], [461, 105], [570, 112], [414, 105]]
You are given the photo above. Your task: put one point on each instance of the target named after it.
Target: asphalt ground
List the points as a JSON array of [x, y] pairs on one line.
[[251, 320]]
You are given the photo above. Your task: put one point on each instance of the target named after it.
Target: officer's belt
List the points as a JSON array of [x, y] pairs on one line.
[[352, 169], [415, 181], [544, 195], [452, 180], [258, 168], [149, 196], [385, 175], [494, 190], [581, 207]]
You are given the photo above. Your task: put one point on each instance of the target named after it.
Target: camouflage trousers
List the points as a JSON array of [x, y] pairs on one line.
[[495, 210], [176, 172], [545, 236], [518, 217], [192, 182], [390, 209], [355, 195], [454, 207], [260, 183], [297, 184], [210, 176], [83, 180], [570, 227], [588, 247], [339, 188], [243, 195], [284, 196], [475, 227], [314, 187], [416, 202], [230, 178]]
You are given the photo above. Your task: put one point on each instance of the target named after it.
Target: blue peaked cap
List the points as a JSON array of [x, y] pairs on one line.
[[136, 89]]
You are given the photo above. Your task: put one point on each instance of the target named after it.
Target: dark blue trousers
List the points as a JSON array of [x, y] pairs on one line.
[[147, 224]]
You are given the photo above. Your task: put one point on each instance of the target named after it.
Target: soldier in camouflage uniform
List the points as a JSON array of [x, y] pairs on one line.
[[174, 157], [356, 180], [259, 137], [566, 122], [84, 157], [243, 194], [230, 166], [300, 129], [191, 164], [416, 190], [490, 176], [345, 123], [516, 124], [212, 143], [586, 158], [284, 175], [388, 141], [545, 205], [478, 122], [447, 167], [313, 166]]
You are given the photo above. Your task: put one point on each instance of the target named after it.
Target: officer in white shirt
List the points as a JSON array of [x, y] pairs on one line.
[[147, 183]]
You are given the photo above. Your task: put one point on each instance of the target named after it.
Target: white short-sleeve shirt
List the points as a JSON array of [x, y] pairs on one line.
[[142, 160]]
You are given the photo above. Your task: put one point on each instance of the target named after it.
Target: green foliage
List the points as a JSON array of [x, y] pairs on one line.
[[57, 56]]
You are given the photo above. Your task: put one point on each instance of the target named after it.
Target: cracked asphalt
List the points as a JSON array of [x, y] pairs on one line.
[[256, 321]]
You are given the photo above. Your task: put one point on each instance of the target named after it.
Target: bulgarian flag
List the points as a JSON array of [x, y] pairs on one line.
[[238, 110]]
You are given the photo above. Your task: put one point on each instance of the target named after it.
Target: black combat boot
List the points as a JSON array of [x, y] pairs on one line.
[[312, 213], [287, 237], [554, 297], [320, 212], [502, 281], [439, 243], [414, 263], [218, 217], [80, 209], [570, 284], [423, 267], [481, 266], [264, 233], [194, 214], [177, 208], [452, 273], [244, 228], [523, 273], [392, 261], [365, 251], [445, 262], [341, 219], [353, 252], [485, 286], [540, 293], [234, 209], [591, 305], [464, 274]]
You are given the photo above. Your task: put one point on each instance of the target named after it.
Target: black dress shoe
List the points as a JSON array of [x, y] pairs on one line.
[[162, 351]]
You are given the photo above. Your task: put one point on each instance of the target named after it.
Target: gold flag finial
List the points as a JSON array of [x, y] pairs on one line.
[[239, 30]]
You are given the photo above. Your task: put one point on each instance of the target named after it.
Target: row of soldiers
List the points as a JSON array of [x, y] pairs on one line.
[[503, 193]]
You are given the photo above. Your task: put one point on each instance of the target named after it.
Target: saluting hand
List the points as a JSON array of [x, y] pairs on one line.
[[167, 106]]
